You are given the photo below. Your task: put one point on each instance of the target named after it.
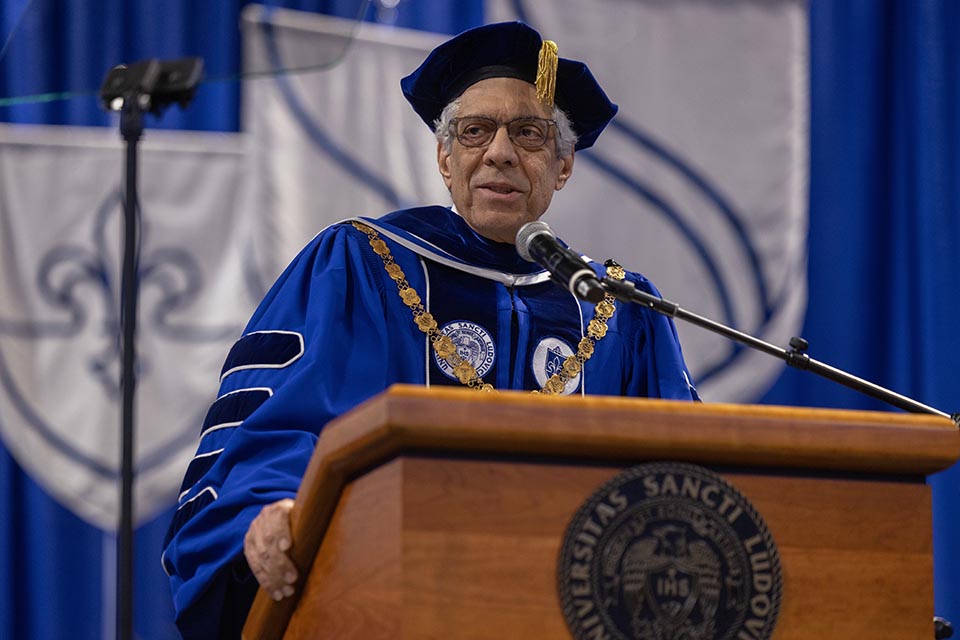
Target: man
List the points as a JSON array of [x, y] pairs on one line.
[[430, 295]]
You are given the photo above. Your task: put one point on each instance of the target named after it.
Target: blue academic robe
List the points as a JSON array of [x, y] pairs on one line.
[[333, 332]]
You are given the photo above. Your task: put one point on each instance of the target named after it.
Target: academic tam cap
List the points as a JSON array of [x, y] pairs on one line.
[[511, 50]]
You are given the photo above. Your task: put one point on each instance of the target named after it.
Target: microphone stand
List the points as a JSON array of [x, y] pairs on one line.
[[149, 85], [796, 356]]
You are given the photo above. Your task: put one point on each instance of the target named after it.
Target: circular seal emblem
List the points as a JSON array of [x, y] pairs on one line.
[[669, 551], [548, 359], [474, 344]]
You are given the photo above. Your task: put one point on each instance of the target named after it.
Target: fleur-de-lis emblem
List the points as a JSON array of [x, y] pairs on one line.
[[80, 283]]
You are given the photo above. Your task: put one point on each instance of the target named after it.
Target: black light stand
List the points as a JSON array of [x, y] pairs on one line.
[[942, 629], [796, 357], [147, 86]]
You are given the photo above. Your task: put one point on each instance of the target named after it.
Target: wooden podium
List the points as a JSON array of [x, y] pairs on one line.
[[439, 513]]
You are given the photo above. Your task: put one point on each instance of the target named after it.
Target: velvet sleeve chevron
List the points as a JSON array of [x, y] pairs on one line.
[[323, 322]]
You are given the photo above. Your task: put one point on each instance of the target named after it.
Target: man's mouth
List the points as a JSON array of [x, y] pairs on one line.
[[500, 188]]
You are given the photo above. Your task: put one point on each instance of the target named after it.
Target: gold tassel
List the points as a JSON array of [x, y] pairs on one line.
[[547, 72]]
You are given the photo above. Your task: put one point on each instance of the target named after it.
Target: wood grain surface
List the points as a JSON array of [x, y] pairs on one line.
[[439, 513]]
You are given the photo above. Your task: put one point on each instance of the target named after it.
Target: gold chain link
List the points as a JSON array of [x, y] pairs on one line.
[[443, 345]]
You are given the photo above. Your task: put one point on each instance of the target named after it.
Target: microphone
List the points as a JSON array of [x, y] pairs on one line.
[[537, 243]]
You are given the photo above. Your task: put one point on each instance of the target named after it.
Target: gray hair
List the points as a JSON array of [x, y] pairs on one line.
[[566, 137]]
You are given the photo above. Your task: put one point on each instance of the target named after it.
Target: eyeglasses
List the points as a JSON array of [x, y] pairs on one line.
[[479, 131]]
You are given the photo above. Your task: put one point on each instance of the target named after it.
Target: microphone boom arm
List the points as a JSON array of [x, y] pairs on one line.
[[796, 357]]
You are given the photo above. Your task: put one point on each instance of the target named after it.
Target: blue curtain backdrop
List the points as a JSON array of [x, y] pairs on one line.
[[884, 270], [884, 221]]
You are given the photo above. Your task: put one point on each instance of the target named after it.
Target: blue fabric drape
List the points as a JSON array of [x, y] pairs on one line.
[[67, 46], [47, 556], [884, 223], [55, 46], [885, 220]]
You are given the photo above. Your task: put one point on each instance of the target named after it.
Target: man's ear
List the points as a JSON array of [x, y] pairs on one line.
[[443, 163], [565, 171]]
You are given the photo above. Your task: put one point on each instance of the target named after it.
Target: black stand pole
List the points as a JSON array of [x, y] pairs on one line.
[[796, 357], [131, 129], [150, 85]]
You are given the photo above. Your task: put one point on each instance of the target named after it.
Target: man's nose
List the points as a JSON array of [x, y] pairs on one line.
[[501, 150]]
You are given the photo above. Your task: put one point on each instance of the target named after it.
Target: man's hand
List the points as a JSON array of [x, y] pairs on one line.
[[265, 547]]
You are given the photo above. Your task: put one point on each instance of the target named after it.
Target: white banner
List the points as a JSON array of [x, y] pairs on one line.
[[699, 183], [60, 248], [701, 180], [334, 143]]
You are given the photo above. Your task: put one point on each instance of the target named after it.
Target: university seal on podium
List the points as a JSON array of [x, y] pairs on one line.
[[669, 551]]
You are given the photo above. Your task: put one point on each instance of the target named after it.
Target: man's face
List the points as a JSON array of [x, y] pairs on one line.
[[500, 187]]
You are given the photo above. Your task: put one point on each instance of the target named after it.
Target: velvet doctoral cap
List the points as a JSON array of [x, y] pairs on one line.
[[511, 50]]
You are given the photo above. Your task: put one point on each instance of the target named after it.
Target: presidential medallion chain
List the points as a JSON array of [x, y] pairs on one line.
[[465, 372]]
